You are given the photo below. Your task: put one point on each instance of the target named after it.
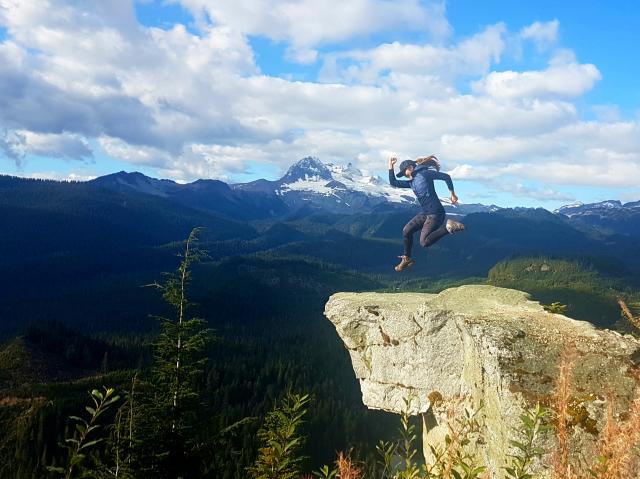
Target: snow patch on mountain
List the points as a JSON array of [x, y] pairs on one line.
[[311, 175], [310, 180], [312, 185], [582, 209]]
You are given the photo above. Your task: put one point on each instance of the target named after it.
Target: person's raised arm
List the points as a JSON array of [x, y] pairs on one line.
[[393, 181]]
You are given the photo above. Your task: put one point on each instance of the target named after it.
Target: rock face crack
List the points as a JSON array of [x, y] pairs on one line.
[[476, 342], [372, 309]]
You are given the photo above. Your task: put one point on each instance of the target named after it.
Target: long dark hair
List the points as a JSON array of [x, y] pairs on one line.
[[429, 161]]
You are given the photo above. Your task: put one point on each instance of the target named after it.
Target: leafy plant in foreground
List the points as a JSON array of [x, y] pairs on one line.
[[326, 473], [86, 435], [533, 425], [406, 446], [454, 459], [279, 457]]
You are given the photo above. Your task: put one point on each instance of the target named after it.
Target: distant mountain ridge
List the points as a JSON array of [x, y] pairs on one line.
[[608, 217], [342, 189], [213, 196], [308, 185], [311, 186], [122, 229]]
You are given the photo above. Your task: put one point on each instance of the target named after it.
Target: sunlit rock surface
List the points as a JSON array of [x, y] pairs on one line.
[[489, 346]]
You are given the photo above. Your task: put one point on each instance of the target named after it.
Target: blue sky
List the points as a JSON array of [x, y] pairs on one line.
[[526, 104]]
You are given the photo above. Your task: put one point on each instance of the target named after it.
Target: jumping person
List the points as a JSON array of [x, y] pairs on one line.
[[431, 220]]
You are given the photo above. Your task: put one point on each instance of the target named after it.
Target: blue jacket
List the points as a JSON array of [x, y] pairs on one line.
[[422, 186]]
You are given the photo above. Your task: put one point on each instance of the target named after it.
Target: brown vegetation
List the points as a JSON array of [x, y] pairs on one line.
[[346, 467], [618, 451]]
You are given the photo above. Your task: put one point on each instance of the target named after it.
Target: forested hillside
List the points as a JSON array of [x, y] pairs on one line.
[[76, 307]]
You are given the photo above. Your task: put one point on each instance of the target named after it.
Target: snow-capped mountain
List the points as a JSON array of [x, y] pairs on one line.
[[580, 208], [611, 216], [342, 188], [307, 169], [311, 185]]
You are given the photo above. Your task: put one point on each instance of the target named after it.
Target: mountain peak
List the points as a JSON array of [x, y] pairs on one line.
[[124, 175], [307, 168], [579, 208], [134, 181]]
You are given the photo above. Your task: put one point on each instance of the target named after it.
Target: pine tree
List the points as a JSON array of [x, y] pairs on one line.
[[172, 407]]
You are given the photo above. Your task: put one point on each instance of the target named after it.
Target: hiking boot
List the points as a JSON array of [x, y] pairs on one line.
[[404, 263], [454, 226]]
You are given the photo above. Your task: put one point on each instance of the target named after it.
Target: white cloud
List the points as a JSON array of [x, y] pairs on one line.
[[53, 175], [17, 144], [584, 154], [543, 34], [134, 154], [471, 56], [306, 24], [525, 191], [607, 113], [197, 105], [569, 80]]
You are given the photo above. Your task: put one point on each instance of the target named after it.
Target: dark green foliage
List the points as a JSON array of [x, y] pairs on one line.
[[272, 336], [171, 403], [406, 448], [556, 307], [533, 425], [50, 217], [279, 455], [325, 472], [588, 293], [74, 244], [79, 258], [179, 350], [88, 433], [454, 459]]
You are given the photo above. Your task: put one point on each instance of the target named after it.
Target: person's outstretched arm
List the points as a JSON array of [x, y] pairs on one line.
[[393, 181], [438, 175]]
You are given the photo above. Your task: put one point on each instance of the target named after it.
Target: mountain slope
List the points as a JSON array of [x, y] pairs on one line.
[[41, 217], [212, 196], [608, 217], [312, 185]]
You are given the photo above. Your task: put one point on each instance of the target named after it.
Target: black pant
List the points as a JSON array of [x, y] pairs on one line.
[[433, 228]]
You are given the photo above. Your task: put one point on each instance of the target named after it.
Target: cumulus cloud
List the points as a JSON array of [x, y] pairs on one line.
[[471, 56], [543, 34], [306, 24], [574, 155], [570, 80], [19, 143], [525, 191], [78, 73]]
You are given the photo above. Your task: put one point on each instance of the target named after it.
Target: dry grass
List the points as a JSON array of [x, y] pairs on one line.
[[608, 440], [562, 397], [617, 455], [635, 321], [628, 440], [346, 468]]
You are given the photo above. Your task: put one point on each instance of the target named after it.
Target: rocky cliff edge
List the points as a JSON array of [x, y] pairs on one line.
[[489, 345]]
